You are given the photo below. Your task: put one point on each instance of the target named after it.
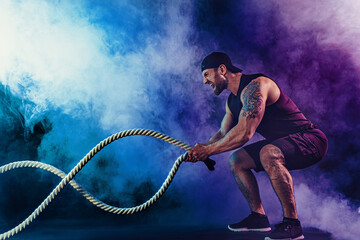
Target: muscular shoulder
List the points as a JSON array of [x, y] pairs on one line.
[[261, 88], [263, 81], [256, 86]]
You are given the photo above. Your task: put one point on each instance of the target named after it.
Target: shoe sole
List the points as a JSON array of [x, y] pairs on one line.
[[249, 229], [297, 238]]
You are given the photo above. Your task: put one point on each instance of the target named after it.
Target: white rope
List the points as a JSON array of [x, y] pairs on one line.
[[67, 178]]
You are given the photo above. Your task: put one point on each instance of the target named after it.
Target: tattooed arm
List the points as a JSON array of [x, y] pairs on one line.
[[253, 98]]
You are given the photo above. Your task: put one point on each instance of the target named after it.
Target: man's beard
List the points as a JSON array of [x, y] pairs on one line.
[[217, 91], [219, 88]]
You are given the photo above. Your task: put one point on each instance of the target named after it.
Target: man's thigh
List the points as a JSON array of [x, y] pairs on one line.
[[295, 158]]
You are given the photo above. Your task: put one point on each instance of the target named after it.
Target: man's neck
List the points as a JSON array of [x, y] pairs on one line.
[[234, 82]]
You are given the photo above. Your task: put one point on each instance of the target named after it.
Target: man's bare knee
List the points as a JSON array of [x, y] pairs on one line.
[[241, 160], [270, 156]]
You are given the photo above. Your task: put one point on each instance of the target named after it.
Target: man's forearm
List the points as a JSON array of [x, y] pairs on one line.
[[217, 136], [235, 138]]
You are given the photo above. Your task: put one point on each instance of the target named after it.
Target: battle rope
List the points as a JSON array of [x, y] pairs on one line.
[[67, 178]]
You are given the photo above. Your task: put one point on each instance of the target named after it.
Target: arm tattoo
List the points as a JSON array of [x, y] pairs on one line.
[[252, 99]]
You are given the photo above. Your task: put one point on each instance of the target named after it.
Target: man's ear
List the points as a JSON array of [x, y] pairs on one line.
[[222, 69]]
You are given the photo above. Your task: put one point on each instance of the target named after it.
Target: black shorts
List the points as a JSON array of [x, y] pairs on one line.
[[301, 149]]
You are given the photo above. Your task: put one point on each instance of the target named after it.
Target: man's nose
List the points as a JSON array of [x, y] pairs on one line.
[[205, 80]]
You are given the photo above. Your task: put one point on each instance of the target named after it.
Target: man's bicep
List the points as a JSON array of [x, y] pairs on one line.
[[253, 99]]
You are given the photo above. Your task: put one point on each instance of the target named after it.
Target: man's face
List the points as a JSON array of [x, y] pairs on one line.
[[215, 79]]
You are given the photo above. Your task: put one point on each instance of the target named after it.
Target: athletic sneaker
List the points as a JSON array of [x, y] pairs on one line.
[[254, 222], [286, 230]]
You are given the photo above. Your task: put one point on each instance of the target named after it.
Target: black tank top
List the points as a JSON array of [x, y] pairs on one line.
[[280, 119]]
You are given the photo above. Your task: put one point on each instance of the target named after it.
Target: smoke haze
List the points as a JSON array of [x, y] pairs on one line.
[[73, 73]]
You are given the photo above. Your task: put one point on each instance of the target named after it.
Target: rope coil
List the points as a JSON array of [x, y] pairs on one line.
[[68, 178]]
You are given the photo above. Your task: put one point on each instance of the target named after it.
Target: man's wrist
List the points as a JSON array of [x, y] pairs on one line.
[[210, 149]]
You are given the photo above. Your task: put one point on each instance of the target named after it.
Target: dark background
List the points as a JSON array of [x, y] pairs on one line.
[[144, 73]]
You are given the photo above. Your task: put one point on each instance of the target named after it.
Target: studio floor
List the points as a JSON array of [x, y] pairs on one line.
[[74, 230]]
